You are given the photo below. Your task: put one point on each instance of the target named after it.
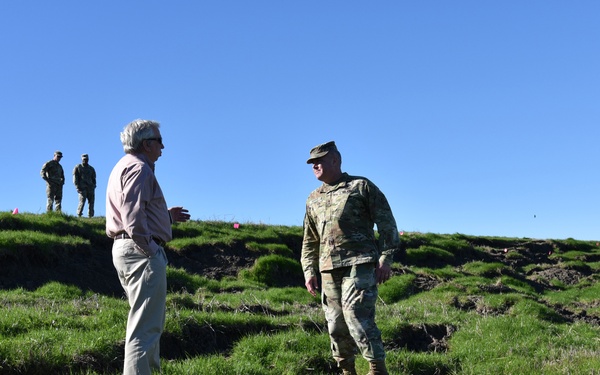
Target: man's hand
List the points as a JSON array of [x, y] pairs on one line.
[[179, 214], [383, 272], [312, 285]]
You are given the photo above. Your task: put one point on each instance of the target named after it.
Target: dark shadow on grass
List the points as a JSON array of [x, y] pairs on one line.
[[201, 339], [422, 338]]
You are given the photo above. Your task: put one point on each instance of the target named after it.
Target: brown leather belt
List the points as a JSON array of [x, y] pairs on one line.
[[125, 236]]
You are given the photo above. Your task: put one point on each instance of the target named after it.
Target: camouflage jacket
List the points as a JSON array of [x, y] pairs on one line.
[[84, 176], [52, 172], [338, 226]]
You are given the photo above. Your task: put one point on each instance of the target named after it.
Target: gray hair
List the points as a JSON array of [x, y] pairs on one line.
[[135, 132]]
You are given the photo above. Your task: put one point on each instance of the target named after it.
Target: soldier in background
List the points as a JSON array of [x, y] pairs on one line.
[[84, 178], [52, 172], [340, 243]]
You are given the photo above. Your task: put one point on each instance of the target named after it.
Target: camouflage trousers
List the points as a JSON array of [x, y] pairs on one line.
[[349, 296], [86, 194], [54, 194]]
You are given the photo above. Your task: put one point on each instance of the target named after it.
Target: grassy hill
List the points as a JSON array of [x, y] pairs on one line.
[[457, 304]]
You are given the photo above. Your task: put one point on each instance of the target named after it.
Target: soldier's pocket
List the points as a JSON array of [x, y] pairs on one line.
[[359, 292]]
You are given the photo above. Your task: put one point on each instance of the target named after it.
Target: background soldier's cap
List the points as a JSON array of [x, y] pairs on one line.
[[58, 153], [84, 156], [321, 150]]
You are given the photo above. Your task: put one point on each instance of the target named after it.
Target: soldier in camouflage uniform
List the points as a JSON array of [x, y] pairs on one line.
[[340, 243], [84, 178], [52, 172]]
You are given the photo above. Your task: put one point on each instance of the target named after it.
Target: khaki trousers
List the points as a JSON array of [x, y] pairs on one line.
[[144, 280]]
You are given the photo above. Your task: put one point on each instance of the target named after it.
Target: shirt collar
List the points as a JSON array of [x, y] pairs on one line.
[[341, 182], [145, 159]]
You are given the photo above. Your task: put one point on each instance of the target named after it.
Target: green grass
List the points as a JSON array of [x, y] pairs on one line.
[[397, 288], [457, 304], [425, 254], [523, 344], [210, 233], [485, 269], [273, 270]]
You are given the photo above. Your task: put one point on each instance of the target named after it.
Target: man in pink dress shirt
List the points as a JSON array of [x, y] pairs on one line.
[[138, 220]]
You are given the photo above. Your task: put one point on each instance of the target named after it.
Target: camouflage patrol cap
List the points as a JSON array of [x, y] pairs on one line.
[[321, 150], [58, 153], [84, 156]]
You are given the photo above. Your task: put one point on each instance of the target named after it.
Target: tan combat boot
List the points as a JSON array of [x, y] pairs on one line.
[[347, 367], [378, 368]]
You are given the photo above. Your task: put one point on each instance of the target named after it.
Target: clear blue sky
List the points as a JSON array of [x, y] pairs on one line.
[[475, 117]]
